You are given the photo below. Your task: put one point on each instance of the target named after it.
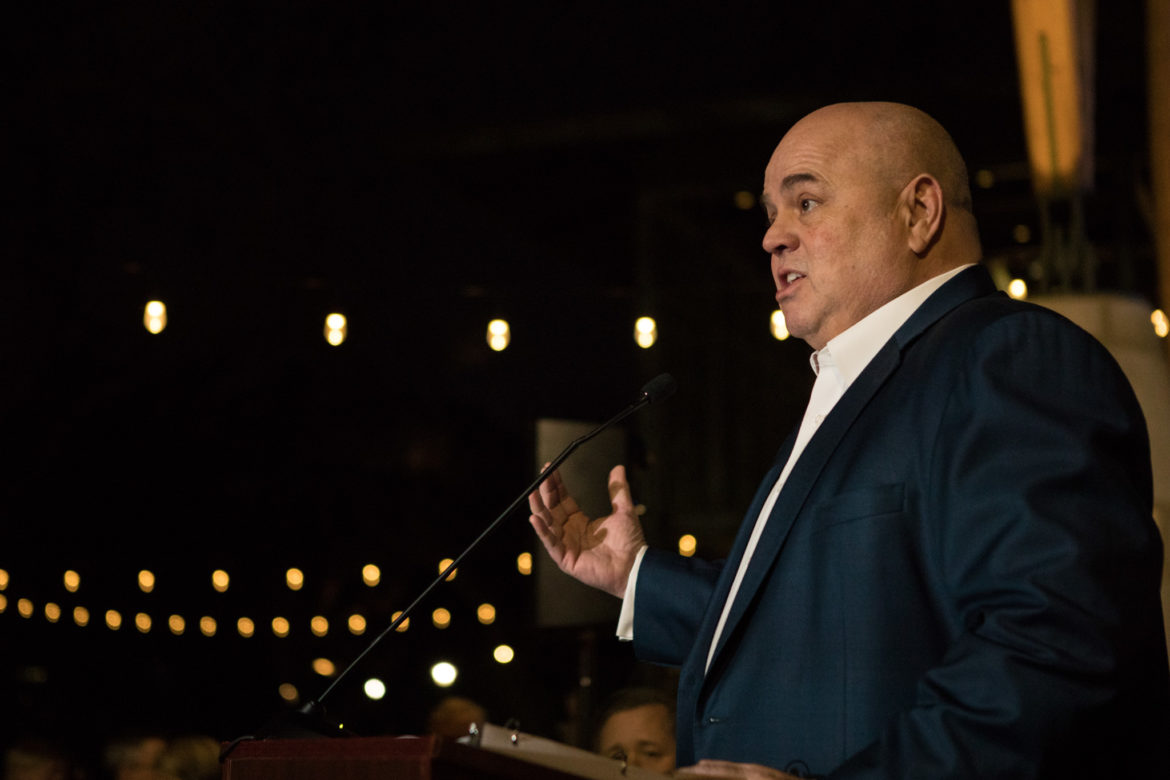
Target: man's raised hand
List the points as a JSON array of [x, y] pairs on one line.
[[597, 552]]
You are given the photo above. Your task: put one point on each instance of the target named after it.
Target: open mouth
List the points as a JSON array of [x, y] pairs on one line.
[[789, 279]]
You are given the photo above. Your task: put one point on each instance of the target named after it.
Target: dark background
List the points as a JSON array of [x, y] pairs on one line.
[[422, 170]]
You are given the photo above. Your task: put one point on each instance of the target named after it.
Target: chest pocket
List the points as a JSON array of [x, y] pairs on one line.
[[854, 505]]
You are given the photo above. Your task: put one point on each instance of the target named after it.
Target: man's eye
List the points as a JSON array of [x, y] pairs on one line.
[[807, 205]]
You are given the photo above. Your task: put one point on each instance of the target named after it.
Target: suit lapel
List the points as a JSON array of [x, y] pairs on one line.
[[964, 286], [698, 658], [801, 481]]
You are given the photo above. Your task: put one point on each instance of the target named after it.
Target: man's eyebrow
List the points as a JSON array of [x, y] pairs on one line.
[[794, 179]]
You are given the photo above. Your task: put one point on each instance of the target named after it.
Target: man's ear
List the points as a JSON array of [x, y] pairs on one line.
[[922, 201]]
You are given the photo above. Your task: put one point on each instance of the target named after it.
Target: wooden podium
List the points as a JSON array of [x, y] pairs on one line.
[[492, 753]]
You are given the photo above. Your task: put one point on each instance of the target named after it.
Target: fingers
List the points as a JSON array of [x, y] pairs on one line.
[[546, 494], [548, 509], [619, 491], [729, 769], [544, 532]]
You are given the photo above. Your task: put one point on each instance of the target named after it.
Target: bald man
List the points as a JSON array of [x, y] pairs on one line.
[[951, 569]]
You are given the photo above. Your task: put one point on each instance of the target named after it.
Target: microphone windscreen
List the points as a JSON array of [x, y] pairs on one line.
[[659, 388]]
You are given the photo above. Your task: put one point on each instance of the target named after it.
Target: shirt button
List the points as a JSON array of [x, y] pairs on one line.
[[820, 419]]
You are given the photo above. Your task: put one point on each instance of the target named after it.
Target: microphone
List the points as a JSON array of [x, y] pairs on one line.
[[310, 718]]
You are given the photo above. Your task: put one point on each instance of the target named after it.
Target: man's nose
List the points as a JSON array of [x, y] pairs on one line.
[[777, 239]]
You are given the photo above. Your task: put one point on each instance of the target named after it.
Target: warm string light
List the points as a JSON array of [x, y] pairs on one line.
[[778, 326], [443, 674], [374, 689], [645, 332], [499, 335], [524, 563], [371, 575], [1158, 319], [154, 317], [336, 329], [499, 331]]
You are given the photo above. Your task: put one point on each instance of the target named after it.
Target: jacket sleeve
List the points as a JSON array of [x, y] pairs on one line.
[[1039, 496], [671, 597]]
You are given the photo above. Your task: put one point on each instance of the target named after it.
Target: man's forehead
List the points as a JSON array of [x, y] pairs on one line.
[[821, 158]]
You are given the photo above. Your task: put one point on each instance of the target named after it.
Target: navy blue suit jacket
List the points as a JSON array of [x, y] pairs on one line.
[[959, 579]]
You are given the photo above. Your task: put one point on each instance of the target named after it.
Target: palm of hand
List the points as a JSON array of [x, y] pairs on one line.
[[597, 552]]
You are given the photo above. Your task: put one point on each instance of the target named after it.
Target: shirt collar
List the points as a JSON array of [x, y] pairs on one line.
[[849, 352]]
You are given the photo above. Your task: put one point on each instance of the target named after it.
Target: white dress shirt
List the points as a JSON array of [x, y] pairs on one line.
[[836, 365]]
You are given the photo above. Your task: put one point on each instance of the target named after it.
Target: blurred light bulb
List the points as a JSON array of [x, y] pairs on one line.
[[371, 574], [499, 335], [154, 316], [1161, 323], [374, 689], [524, 563], [444, 674], [645, 332], [778, 326], [336, 329]]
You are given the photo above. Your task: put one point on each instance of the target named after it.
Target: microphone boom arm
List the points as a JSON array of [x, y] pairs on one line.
[[656, 389]]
